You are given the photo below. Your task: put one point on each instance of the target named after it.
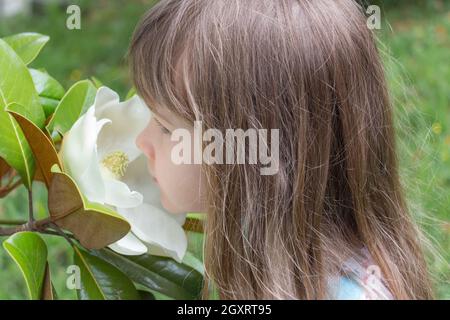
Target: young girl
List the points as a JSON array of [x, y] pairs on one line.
[[332, 221]]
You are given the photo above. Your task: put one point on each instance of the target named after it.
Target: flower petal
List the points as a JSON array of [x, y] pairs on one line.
[[119, 195], [157, 228], [128, 118], [81, 140], [138, 177], [129, 245]]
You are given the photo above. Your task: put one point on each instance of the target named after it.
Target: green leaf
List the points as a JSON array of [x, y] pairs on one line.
[[14, 148], [93, 224], [196, 215], [160, 274], [195, 244], [102, 281], [45, 154], [49, 89], [145, 295], [16, 86], [49, 105], [97, 82], [74, 103], [191, 260], [29, 251], [27, 45], [46, 85], [48, 291], [130, 93]]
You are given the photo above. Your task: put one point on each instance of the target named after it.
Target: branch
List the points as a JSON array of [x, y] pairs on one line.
[[12, 222], [30, 206], [60, 232], [11, 230], [4, 191], [34, 225]]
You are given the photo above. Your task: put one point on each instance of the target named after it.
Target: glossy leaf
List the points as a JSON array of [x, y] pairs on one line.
[[97, 83], [16, 86], [94, 225], [194, 262], [145, 295], [29, 251], [194, 225], [50, 91], [160, 274], [27, 45], [130, 93], [48, 105], [101, 280], [48, 291], [74, 103], [44, 152]]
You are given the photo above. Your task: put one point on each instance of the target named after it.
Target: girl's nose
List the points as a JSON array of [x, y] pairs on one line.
[[145, 145]]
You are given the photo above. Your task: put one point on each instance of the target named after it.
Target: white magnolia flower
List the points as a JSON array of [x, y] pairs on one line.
[[100, 154]]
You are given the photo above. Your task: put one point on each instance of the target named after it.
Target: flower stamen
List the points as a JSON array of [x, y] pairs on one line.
[[117, 163]]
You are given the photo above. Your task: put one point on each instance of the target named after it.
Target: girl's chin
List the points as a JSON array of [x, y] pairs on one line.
[[168, 206]]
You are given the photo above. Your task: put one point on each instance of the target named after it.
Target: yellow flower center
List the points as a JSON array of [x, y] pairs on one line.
[[117, 163]]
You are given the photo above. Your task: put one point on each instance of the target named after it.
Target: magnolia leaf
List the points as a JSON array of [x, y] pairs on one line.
[[16, 86], [44, 152], [130, 93], [46, 85], [194, 225], [15, 149], [49, 105], [160, 274], [145, 295], [94, 225], [97, 83], [50, 91], [191, 260], [29, 251], [27, 45], [101, 280], [72, 105], [48, 291]]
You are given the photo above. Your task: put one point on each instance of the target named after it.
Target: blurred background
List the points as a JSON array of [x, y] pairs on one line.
[[415, 45]]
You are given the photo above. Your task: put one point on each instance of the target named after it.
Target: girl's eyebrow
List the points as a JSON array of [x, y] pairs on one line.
[[159, 115]]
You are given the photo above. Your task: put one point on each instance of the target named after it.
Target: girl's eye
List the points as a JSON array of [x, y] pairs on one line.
[[163, 129]]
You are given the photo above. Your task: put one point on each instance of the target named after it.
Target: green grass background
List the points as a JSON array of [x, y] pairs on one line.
[[415, 42]]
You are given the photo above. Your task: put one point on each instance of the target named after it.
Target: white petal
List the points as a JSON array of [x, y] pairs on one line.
[[104, 98], [79, 154], [128, 118], [157, 228], [119, 195], [180, 218], [129, 245], [91, 182], [138, 178]]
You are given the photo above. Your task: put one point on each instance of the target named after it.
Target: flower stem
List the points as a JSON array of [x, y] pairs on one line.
[[30, 206], [12, 222], [34, 225], [60, 232]]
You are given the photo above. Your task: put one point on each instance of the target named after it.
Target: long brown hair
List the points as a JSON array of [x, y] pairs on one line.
[[311, 69]]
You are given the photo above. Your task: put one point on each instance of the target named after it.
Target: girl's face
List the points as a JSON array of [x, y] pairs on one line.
[[182, 186]]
